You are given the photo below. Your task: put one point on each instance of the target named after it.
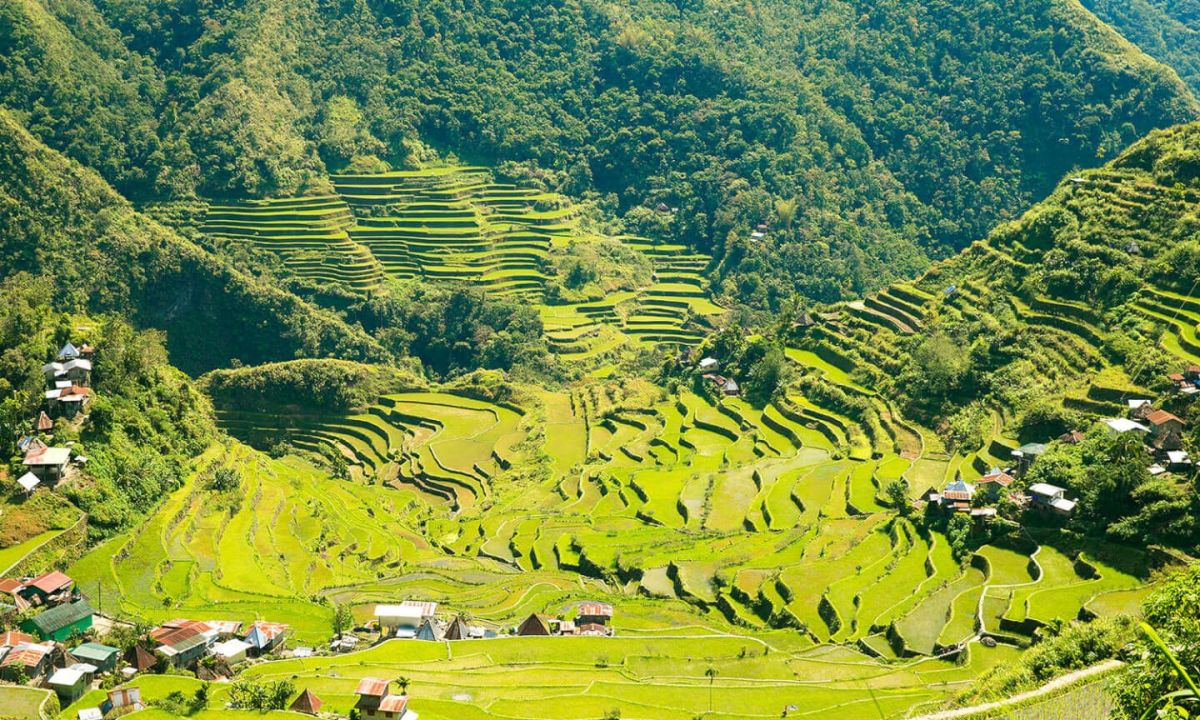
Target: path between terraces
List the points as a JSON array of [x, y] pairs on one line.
[[1049, 688]]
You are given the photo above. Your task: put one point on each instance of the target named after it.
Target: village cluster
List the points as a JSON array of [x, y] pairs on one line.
[[68, 391], [50, 649], [1161, 431]]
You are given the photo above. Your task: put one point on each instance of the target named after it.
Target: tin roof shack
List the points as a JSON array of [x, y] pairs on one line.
[[405, 619], [103, 657], [1166, 430], [27, 660], [69, 684], [47, 463], [61, 622], [596, 614], [231, 651], [182, 642], [1027, 455], [1050, 498], [376, 701], [994, 483], [50, 588]]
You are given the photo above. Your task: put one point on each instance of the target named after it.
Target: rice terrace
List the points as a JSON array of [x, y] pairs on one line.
[[599, 361]]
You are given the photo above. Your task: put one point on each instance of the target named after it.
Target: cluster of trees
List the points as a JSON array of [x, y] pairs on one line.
[[757, 362], [315, 385], [870, 136], [453, 329], [1118, 497]]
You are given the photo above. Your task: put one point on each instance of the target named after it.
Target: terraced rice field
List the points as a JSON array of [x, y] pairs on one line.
[[308, 234], [457, 225], [679, 511]]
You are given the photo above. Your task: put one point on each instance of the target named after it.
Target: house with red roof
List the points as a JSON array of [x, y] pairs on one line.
[[376, 701], [49, 588], [29, 659], [183, 642]]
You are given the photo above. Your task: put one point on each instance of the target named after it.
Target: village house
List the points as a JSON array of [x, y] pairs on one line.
[[68, 401], [61, 622], [958, 496], [78, 371], [182, 642], [12, 593], [1051, 498], [27, 659], [71, 683], [43, 424], [709, 364], [225, 629], [48, 464], [1166, 430], [231, 651], [376, 701], [405, 619], [69, 352], [994, 483], [265, 637], [594, 618], [103, 657], [49, 588]]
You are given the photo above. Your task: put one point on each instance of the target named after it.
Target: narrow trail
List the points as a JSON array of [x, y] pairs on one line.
[[1049, 688]]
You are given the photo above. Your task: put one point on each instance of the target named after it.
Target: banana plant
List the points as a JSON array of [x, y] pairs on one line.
[[1188, 696]]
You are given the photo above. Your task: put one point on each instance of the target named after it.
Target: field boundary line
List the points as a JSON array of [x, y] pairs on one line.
[[1058, 683], [82, 519]]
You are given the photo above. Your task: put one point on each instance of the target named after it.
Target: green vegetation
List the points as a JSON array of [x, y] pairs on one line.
[[864, 163]]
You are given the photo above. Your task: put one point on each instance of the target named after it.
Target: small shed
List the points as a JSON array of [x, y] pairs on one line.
[[306, 703], [534, 625], [104, 657], [69, 684], [29, 482], [44, 424], [709, 364]]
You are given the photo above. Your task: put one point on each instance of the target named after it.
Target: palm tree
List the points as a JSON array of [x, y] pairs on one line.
[[403, 683], [711, 673]]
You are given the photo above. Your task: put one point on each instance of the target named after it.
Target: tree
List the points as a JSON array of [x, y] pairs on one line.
[[403, 682], [958, 531], [343, 619], [896, 495]]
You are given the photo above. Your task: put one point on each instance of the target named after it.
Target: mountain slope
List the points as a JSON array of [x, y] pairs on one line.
[[62, 220], [1169, 30], [865, 162]]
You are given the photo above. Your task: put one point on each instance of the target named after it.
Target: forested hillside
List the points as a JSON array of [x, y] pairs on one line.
[[1168, 30], [64, 222], [870, 136]]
